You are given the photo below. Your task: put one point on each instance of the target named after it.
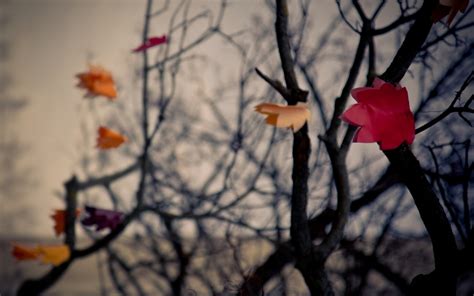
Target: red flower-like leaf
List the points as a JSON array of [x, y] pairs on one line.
[[383, 115]]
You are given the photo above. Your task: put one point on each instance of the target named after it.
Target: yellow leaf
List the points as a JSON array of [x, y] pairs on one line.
[[285, 116], [54, 254]]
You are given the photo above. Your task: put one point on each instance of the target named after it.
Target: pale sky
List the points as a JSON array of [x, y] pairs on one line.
[[49, 41]]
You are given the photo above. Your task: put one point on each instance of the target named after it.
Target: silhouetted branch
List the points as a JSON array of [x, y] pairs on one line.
[[451, 108], [284, 254], [274, 83]]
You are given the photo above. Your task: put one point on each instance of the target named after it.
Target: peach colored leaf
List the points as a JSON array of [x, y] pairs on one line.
[[285, 116]]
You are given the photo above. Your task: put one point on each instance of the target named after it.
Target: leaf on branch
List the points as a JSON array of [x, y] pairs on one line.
[[98, 82], [24, 253], [108, 138], [285, 116], [383, 115], [151, 42], [448, 7], [59, 218], [54, 255], [102, 218]]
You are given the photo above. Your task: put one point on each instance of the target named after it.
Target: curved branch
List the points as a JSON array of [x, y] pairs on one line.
[[410, 47], [397, 23], [431, 212], [451, 108], [100, 181], [284, 255]]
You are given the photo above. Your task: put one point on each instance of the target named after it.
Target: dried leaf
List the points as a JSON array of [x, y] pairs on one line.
[[21, 252], [59, 218], [46, 254], [98, 82], [102, 218], [285, 116], [108, 138]]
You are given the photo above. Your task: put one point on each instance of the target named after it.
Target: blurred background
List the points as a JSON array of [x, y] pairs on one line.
[[217, 182]]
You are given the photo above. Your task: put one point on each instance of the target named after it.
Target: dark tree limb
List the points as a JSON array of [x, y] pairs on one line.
[[283, 255], [277, 85], [451, 108], [426, 201], [341, 101], [411, 45], [308, 263], [37, 286], [71, 205], [398, 22], [284, 49], [405, 162], [337, 155], [100, 181], [372, 262], [443, 279]]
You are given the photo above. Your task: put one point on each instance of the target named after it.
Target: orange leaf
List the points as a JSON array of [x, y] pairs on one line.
[[54, 254], [286, 116], [109, 139], [24, 253], [59, 218], [98, 82]]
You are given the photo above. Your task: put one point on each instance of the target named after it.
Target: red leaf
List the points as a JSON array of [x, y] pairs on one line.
[[383, 115], [59, 218], [450, 8], [151, 42], [21, 252]]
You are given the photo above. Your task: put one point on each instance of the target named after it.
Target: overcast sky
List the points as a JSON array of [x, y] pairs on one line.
[[48, 42]]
